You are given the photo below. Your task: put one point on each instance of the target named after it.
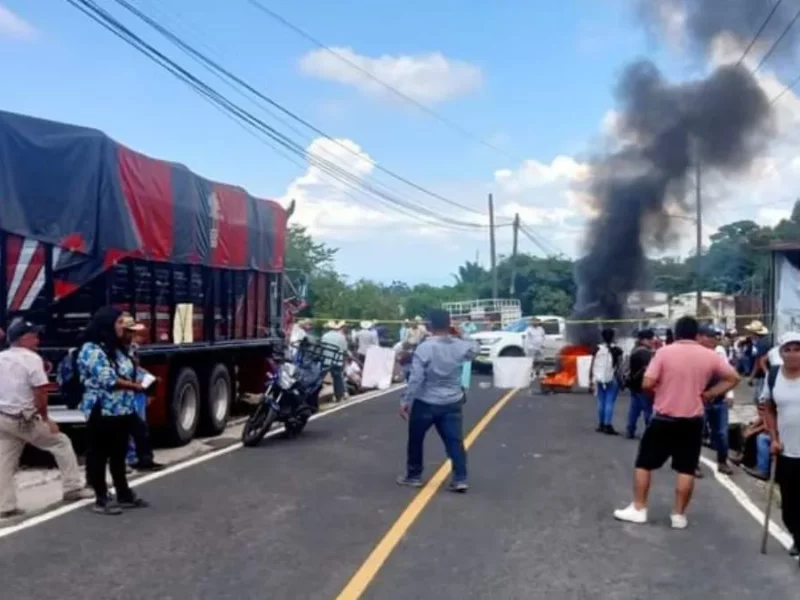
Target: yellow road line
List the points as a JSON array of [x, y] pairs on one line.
[[369, 569]]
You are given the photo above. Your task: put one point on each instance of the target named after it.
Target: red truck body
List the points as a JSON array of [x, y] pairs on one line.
[[86, 222]]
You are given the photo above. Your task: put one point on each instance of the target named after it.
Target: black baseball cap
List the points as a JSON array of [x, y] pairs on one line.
[[20, 327], [646, 334]]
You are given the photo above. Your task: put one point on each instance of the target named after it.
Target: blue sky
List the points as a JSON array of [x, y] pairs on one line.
[[535, 79]]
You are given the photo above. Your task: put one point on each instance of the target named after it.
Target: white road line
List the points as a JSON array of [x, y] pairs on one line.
[[777, 532], [68, 508]]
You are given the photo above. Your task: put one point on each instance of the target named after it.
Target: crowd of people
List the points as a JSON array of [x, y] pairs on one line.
[[683, 392], [103, 379]]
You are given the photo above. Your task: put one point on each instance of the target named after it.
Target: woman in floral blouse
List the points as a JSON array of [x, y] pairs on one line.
[[108, 376]]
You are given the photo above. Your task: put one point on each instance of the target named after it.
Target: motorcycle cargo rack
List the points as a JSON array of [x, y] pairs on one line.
[[311, 353]]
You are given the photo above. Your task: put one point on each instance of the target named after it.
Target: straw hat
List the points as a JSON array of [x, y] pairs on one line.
[[757, 327], [335, 325], [304, 323], [418, 319], [366, 324]]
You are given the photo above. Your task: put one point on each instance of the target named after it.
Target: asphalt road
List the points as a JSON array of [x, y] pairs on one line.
[[297, 518]]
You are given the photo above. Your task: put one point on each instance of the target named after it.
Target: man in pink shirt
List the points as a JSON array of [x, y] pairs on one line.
[[678, 375]]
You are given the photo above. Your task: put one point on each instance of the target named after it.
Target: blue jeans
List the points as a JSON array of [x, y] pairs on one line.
[[606, 397], [763, 456], [447, 418], [339, 389], [640, 404], [717, 419], [140, 401]]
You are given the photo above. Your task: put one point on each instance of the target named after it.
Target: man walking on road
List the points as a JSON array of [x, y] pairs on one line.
[[24, 418], [637, 364], [679, 376], [781, 397], [434, 397]]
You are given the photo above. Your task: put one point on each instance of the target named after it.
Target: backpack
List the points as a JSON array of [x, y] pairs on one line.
[[72, 388]]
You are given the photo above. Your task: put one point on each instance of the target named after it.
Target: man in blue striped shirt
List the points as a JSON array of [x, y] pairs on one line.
[[434, 397]]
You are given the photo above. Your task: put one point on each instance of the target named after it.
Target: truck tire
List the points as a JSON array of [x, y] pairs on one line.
[[184, 407], [512, 351], [217, 401]]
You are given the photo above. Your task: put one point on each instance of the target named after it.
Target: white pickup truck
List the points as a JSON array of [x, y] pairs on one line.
[[508, 341]]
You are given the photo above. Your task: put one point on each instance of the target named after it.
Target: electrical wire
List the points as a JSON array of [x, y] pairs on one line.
[[105, 19], [759, 32], [400, 94], [777, 42], [216, 67]]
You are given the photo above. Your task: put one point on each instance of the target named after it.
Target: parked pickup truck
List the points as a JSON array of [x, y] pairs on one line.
[[508, 341]]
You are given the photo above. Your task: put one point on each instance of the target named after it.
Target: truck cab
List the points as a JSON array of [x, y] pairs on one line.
[[508, 341]]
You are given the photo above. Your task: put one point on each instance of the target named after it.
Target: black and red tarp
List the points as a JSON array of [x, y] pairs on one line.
[[98, 202]]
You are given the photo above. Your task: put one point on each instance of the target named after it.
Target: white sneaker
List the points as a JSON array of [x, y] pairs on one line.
[[679, 521], [631, 514]]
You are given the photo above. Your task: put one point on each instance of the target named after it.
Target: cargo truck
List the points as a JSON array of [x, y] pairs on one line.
[[87, 222]]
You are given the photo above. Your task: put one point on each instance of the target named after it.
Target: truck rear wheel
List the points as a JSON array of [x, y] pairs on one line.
[[217, 401], [184, 408], [512, 351]]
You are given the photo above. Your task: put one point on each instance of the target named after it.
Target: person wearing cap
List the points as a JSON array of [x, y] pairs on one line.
[[140, 449], [716, 411], [365, 338], [781, 400], [759, 335], [24, 418], [434, 397], [335, 337], [678, 376], [637, 365]]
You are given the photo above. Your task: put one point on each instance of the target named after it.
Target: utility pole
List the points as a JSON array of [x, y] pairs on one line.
[[515, 226], [699, 229], [493, 259]]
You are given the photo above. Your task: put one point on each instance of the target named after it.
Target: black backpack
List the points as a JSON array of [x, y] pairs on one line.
[[72, 389]]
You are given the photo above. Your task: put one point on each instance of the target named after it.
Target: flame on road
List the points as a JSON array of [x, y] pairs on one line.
[[567, 374]]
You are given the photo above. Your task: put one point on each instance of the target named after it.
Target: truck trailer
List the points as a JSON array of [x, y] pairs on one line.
[[86, 222]]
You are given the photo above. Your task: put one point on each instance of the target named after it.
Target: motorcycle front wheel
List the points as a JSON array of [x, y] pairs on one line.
[[258, 424]]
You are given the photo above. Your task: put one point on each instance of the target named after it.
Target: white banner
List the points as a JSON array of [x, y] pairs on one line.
[[787, 298]]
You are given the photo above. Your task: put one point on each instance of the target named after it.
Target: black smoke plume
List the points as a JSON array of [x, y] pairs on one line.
[[723, 121]]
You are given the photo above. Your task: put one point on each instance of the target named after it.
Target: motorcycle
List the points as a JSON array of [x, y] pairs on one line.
[[292, 391]]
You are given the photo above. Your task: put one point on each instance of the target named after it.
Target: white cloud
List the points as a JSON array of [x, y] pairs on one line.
[[336, 209], [429, 78], [14, 27]]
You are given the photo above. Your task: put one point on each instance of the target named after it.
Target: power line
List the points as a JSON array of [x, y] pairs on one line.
[[101, 16], [759, 32], [777, 41], [785, 90], [216, 67], [424, 108]]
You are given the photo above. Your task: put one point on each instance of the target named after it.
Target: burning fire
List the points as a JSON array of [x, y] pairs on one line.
[[566, 374]]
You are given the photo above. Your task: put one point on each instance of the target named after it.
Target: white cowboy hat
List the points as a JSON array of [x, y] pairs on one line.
[[366, 324], [757, 327], [418, 319], [334, 325], [304, 323]]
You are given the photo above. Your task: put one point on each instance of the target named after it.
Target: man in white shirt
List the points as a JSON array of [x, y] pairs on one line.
[[781, 397], [365, 338], [24, 418], [533, 340], [335, 337]]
